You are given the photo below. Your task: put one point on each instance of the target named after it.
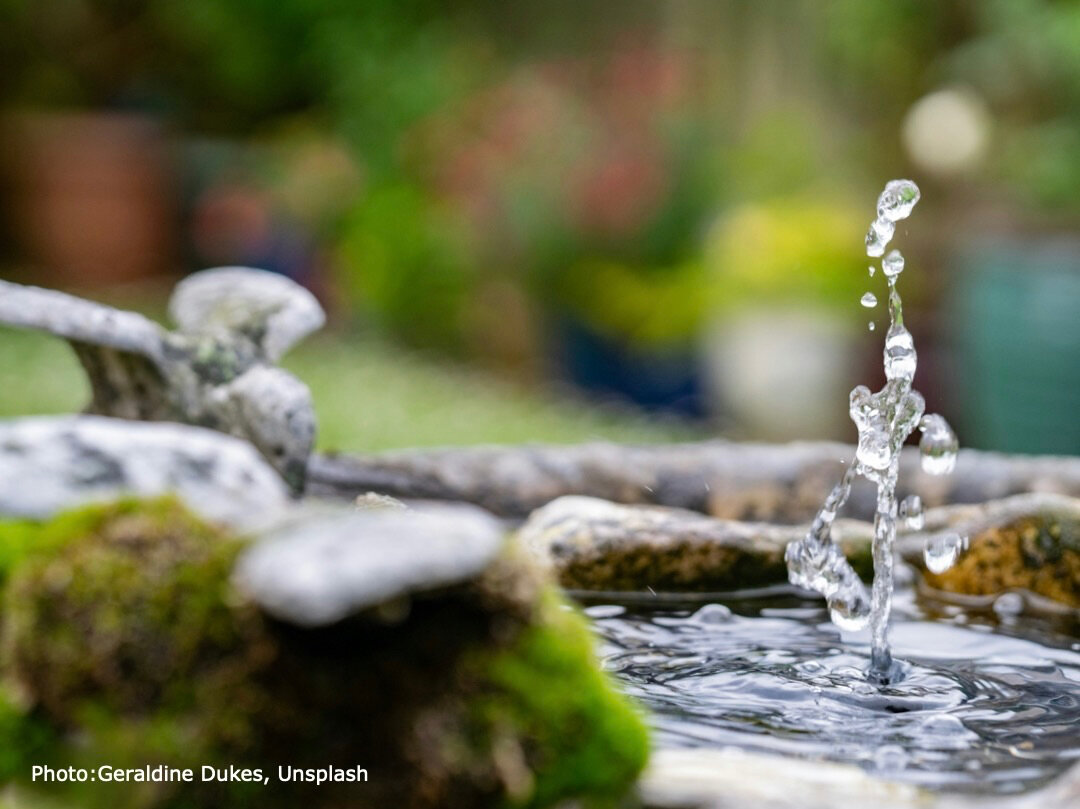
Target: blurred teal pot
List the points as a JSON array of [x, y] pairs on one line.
[[1013, 313]]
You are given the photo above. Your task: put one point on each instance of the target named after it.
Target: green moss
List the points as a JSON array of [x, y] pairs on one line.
[[22, 538], [24, 737], [118, 623], [113, 601], [545, 702]]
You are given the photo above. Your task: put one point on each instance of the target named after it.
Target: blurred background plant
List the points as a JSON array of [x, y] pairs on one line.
[[658, 204]]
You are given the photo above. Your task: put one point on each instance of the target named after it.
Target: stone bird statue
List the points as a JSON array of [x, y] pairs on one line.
[[216, 369]]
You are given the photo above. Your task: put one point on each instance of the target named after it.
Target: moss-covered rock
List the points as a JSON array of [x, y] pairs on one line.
[[134, 595], [597, 545], [124, 644], [547, 720], [1037, 553]]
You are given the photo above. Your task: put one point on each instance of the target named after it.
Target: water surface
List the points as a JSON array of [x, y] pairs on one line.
[[987, 703]]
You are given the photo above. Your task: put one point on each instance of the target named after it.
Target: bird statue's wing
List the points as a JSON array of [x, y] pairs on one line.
[[123, 353], [79, 320], [270, 309]]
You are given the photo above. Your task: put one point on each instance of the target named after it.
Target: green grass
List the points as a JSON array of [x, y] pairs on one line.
[[368, 396]]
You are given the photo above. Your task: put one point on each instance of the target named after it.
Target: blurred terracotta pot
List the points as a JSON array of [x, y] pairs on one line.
[[90, 196]]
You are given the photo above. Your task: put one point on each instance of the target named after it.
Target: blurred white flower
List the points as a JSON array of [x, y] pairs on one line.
[[947, 132]]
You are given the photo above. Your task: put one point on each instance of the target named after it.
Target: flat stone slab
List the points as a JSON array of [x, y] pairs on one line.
[[49, 464], [322, 566]]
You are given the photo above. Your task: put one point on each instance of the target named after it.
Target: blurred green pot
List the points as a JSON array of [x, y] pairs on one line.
[[1013, 317]]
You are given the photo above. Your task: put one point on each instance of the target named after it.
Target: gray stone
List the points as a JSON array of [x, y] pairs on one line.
[[214, 371], [48, 464], [778, 483], [1028, 543], [326, 564]]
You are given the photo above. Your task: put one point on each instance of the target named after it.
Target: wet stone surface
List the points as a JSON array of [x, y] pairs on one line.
[[324, 565], [51, 464]]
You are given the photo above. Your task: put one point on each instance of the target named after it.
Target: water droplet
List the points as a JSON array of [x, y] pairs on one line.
[[900, 357], [911, 512], [908, 414], [869, 300], [871, 269], [897, 200], [890, 758], [942, 551], [938, 445], [604, 611], [871, 325], [893, 264], [878, 427], [712, 614], [878, 237], [1009, 605], [850, 615]]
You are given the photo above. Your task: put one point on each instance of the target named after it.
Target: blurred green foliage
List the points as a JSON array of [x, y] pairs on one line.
[[795, 250], [579, 152], [229, 66], [1021, 56], [414, 271]]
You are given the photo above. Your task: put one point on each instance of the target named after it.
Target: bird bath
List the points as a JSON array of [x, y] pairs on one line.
[[964, 700]]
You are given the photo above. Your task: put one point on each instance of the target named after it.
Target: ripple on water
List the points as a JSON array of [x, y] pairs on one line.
[[974, 711]]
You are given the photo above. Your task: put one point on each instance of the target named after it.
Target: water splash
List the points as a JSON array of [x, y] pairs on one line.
[[893, 264], [978, 711], [938, 445], [941, 552], [884, 420], [911, 512]]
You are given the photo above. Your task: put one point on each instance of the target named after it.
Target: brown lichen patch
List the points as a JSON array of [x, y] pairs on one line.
[[680, 566], [1034, 553]]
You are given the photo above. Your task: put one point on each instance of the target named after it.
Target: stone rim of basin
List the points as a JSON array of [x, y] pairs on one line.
[[594, 544], [707, 778], [781, 483]]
